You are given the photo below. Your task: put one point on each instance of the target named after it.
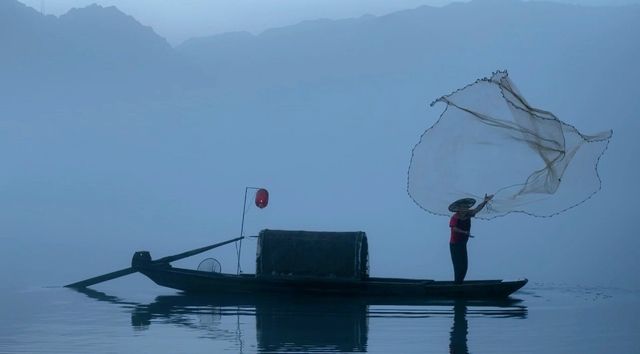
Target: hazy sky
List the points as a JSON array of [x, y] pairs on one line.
[[180, 20], [111, 142]]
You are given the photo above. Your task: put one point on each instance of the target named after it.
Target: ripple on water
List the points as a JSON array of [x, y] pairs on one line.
[[542, 318]]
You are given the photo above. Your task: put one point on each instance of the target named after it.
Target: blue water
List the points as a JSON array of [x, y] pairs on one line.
[[136, 316]]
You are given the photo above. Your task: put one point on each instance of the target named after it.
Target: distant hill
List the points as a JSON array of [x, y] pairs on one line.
[[96, 50], [89, 51], [458, 41]]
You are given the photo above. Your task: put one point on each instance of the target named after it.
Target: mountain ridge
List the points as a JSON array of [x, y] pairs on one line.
[[88, 52], [98, 48]]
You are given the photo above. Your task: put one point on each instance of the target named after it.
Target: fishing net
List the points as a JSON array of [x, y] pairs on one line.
[[490, 140], [210, 265]]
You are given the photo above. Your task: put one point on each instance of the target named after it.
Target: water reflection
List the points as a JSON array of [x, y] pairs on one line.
[[459, 330], [294, 323]]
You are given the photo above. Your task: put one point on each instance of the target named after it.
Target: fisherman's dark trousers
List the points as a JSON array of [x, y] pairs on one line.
[[459, 259]]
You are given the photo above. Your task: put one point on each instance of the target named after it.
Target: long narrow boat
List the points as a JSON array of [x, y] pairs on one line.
[[304, 262], [194, 281]]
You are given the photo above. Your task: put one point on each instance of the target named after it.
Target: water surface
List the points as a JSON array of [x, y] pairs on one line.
[[135, 316]]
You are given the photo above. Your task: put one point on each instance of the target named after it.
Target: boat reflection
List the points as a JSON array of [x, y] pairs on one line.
[[301, 324]]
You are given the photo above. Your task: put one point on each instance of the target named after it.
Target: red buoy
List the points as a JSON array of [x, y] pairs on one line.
[[262, 198]]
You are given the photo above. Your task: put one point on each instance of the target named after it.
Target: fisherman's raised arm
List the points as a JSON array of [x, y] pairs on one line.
[[480, 206]]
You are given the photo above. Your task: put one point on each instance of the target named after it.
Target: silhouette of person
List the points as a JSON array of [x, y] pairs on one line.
[[460, 225]]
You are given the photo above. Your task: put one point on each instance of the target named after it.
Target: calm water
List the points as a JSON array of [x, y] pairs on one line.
[[130, 317]]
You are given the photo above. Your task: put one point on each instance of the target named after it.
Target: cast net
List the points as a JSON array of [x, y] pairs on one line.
[[490, 140]]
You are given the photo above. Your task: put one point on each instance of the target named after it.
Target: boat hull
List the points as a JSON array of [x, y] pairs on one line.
[[193, 281]]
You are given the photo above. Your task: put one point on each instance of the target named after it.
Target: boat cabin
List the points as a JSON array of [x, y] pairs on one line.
[[312, 254]]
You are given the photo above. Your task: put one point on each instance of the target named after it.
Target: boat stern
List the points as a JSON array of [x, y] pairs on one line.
[[140, 259]]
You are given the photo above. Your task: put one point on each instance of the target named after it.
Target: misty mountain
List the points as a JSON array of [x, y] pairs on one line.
[[88, 51], [427, 44]]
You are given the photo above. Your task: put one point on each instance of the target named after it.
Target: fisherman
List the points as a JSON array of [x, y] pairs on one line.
[[460, 225]]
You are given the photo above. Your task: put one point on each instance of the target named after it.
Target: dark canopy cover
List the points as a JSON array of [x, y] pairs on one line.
[[312, 253]]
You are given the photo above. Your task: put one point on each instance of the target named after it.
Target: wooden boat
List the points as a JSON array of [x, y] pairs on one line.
[[303, 262], [199, 282]]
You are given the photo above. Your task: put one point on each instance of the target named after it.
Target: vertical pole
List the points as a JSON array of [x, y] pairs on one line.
[[244, 210]]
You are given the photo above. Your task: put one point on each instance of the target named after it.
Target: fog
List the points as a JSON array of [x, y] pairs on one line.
[[114, 140], [179, 21]]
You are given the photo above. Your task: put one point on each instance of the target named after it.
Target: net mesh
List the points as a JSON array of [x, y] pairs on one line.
[[210, 265], [490, 140]]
